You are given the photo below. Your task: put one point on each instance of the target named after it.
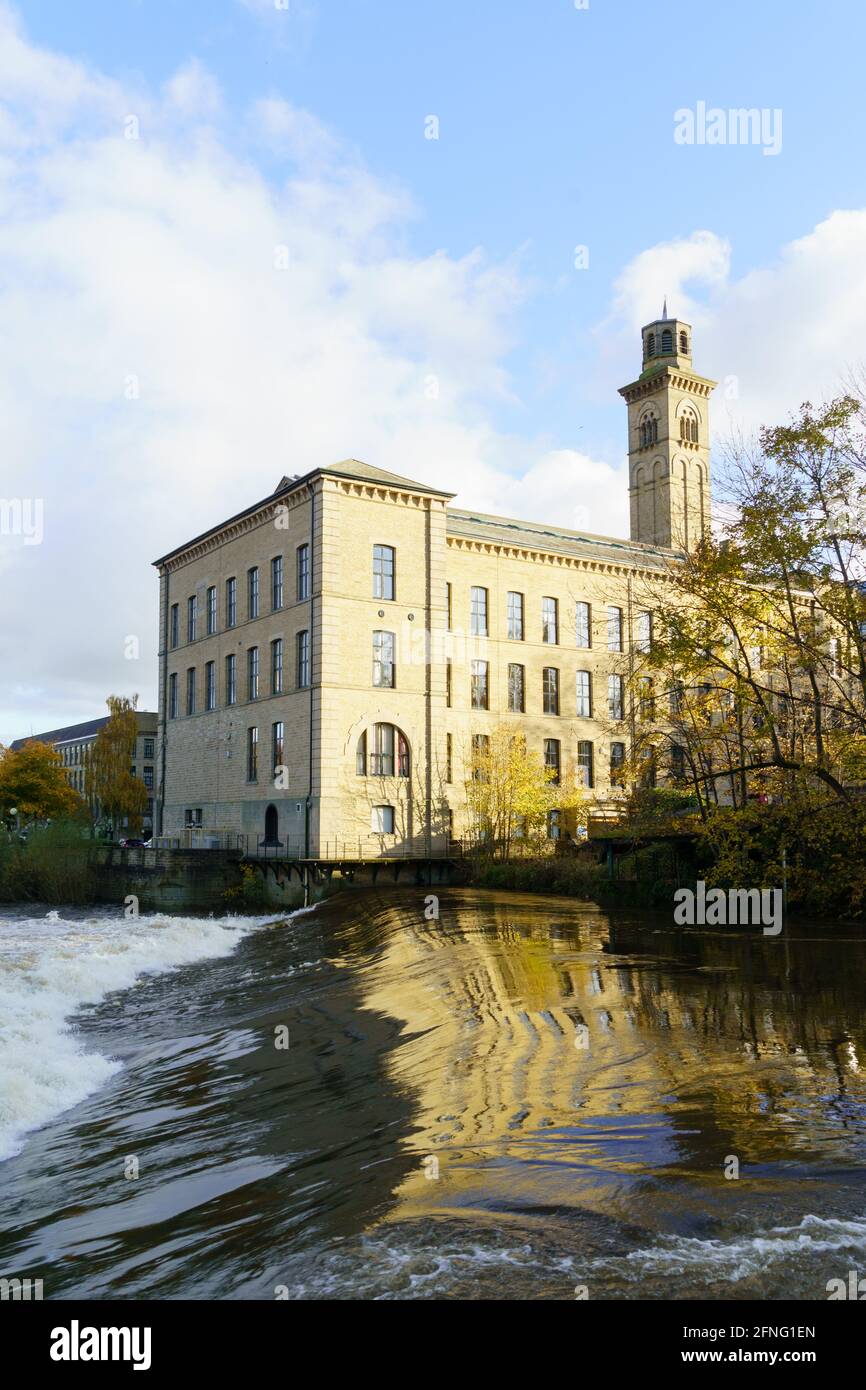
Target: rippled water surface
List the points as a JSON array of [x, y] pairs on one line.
[[436, 1126]]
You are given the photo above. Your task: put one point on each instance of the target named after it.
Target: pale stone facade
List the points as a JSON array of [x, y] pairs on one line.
[[386, 555]]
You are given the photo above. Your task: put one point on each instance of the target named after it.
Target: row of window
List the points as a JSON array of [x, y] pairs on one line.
[[302, 591], [479, 697], [253, 683], [664, 343], [278, 747], [550, 621]]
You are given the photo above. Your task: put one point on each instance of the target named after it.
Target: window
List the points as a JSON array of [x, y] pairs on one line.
[[651, 345], [231, 602], [277, 745], [614, 629], [583, 683], [515, 617], [678, 762], [191, 618], [554, 825], [550, 689], [677, 696], [448, 611], [448, 682], [253, 592], [303, 659], [583, 625], [361, 756], [252, 754], [584, 763], [644, 630], [516, 689], [383, 660], [684, 344], [382, 820], [277, 666], [148, 778], [385, 745], [148, 747], [480, 693], [647, 698], [211, 611], [649, 431], [231, 680], [552, 757], [614, 697], [617, 764], [174, 625], [648, 767], [383, 572], [480, 753], [448, 758], [303, 572], [192, 818], [210, 685], [172, 696], [253, 673], [667, 341], [478, 613], [190, 690], [277, 582], [549, 620]]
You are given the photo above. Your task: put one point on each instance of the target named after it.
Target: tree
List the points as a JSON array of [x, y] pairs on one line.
[[33, 782], [108, 775], [510, 792]]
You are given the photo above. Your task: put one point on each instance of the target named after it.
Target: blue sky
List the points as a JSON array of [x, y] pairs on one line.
[[412, 260]]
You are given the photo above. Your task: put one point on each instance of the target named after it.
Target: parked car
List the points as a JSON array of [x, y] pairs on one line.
[[132, 844]]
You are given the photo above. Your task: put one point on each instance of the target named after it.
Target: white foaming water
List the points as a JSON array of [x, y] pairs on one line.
[[49, 967]]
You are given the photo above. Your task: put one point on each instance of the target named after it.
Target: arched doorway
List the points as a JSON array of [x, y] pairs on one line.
[[272, 826]]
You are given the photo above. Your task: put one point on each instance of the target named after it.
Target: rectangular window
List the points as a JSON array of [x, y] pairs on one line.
[[148, 747], [448, 682], [448, 609], [174, 625], [277, 666], [549, 620], [448, 758], [210, 685], [478, 613], [252, 754], [253, 592], [583, 625], [516, 689], [383, 572], [677, 697], [480, 690], [277, 582], [148, 778], [644, 630], [277, 744], [480, 753], [191, 618], [554, 825], [617, 764], [383, 660], [303, 659], [585, 772], [552, 757], [382, 821], [303, 572], [211, 611], [231, 680], [382, 751], [648, 767], [614, 629], [614, 697], [678, 762], [231, 602], [647, 698], [550, 689], [515, 617], [583, 682], [172, 695], [190, 690], [253, 673]]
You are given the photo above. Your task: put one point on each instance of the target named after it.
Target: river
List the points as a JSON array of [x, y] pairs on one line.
[[523, 1098]]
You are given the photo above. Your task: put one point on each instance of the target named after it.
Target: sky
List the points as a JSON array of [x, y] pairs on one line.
[[243, 238]]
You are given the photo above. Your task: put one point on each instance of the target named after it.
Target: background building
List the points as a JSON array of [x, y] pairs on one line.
[[330, 655]]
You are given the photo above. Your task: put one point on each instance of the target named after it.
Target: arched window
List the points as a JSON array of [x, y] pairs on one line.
[[654, 431], [384, 752], [651, 345], [643, 438], [684, 344], [667, 341]]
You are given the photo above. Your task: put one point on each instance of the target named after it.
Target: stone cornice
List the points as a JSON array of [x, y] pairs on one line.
[[240, 526], [700, 386], [535, 555]]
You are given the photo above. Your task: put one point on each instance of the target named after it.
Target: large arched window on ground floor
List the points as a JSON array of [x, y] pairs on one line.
[[383, 751]]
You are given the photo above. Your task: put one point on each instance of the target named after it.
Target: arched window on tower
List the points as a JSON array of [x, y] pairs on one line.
[[667, 341], [651, 345], [684, 344]]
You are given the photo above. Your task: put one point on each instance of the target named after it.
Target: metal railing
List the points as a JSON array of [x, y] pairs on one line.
[[344, 851]]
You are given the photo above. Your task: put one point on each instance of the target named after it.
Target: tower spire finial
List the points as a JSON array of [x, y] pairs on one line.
[[665, 308]]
